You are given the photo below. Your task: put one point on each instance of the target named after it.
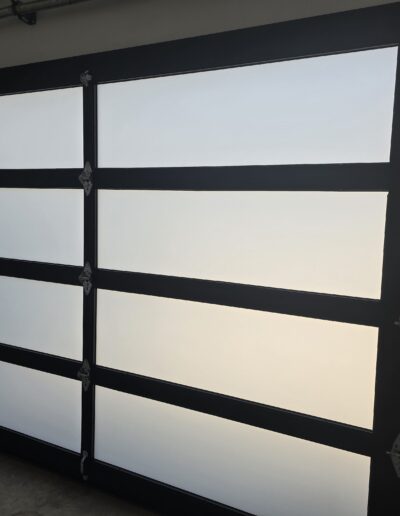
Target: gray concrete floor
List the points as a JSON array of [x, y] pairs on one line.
[[29, 490]]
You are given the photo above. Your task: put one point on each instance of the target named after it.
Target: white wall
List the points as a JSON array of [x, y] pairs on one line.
[[109, 24]]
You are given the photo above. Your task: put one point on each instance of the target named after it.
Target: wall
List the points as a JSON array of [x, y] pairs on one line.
[[109, 24]]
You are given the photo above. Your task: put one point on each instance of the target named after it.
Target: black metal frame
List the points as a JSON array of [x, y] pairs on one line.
[[336, 33]]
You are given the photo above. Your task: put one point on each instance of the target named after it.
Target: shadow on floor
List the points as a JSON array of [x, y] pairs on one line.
[[29, 490]]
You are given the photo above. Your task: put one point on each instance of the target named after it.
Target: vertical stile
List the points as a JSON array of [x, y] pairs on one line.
[[384, 483], [90, 257]]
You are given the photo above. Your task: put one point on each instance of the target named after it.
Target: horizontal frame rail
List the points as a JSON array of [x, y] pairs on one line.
[[338, 435], [330, 433], [330, 307], [40, 271], [157, 495], [47, 454], [347, 177], [357, 177], [322, 431], [53, 364], [40, 178], [334, 33]]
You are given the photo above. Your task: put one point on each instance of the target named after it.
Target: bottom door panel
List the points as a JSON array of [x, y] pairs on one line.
[[251, 469], [41, 405]]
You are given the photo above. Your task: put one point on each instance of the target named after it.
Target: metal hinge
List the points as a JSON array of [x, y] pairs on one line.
[[395, 455], [85, 78], [30, 18], [85, 278], [84, 375], [84, 457], [85, 178]]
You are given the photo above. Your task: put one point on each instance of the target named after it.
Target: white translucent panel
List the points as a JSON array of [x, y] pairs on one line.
[[285, 361], [255, 470], [41, 405], [331, 109], [316, 241], [45, 317], [42, 225], [42, 129]]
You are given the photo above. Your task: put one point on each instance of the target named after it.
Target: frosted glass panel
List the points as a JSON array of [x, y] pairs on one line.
[[42, 225], [316, 241], [42, 129], [331, 109], [45, 317], [245, 467], [280, 360], [41, 405]]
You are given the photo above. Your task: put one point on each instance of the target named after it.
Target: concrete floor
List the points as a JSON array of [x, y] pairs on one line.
[[29, 490]]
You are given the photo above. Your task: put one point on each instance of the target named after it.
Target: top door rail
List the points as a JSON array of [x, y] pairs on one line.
[[321, 35]]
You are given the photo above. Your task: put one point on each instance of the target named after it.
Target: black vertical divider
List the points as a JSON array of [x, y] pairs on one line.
[[90, 256], [384, 482]]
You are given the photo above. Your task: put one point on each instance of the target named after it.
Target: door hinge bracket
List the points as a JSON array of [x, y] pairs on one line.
[[85, 178], [29, 18], [85, 78], [394, 454], [84, 375], [85, 278], [84, 458]]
